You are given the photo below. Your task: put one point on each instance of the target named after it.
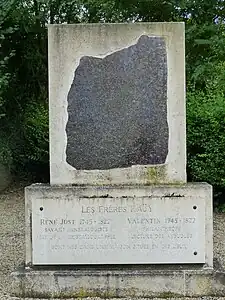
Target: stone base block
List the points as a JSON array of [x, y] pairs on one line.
[[117, 283], [118, 241], [119, 225]]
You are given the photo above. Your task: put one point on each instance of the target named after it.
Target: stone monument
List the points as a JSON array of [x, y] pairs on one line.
[[118, 218]]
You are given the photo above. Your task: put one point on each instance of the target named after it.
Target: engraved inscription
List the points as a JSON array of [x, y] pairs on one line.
[[121, 230]]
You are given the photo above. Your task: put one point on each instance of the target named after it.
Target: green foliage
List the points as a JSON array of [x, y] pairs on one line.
[[206, 137], [205, 48], [5, 75], [5, 151], [36, 134], [206, 132], [128, 10], [31, 143]]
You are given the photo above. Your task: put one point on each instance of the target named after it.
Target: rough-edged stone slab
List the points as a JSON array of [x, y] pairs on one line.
[[117, 103], [117, 108]]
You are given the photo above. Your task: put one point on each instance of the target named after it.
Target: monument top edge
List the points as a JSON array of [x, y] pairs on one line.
[[189, 185], [116, 24]]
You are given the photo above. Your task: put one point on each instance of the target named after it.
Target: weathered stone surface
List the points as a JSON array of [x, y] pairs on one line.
[[117, 108], [112, 282], [117, 103], [119, 225], [144, 230]]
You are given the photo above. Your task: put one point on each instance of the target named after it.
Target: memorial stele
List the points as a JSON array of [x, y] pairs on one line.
[[118, 193]]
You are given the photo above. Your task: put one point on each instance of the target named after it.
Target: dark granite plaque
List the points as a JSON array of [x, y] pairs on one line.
[[117, 108]]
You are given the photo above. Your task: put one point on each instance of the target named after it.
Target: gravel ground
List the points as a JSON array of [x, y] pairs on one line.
[[12, 239]]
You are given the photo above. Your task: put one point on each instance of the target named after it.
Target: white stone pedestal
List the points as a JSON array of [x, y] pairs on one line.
[[89, 225], [118, 241]]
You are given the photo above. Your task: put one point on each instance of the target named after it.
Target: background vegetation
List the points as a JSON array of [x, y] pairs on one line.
[[24, 82]]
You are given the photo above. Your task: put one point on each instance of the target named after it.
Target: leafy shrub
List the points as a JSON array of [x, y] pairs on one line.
[[31, 154], [36, 132], [206, 134], [206, 137], [5, 151]]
